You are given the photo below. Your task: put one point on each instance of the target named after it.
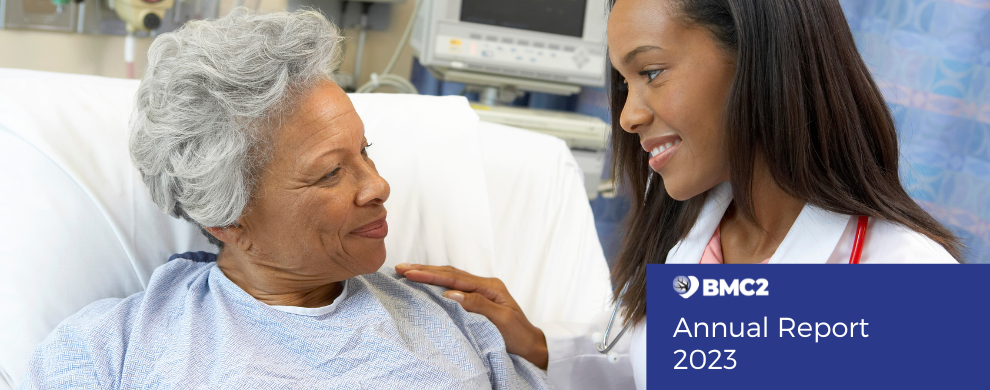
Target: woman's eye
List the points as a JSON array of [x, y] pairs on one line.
[[364, 150], [332, 173], [651, 74]]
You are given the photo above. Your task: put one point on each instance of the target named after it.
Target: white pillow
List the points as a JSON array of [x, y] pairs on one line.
[[546, 246], [79, 224]]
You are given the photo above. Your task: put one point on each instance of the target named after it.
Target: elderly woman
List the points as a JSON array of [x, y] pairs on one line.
[[239, 129]]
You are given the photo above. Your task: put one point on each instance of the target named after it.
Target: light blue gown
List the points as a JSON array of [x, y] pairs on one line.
[[194, 328]]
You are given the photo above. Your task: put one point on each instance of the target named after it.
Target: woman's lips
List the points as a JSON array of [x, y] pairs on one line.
[[661, 152], [377, 229]]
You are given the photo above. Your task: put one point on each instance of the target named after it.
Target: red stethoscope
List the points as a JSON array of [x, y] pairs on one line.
[[860, 238]]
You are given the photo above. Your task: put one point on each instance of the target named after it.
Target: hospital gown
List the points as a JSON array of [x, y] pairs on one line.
[[194, 328]]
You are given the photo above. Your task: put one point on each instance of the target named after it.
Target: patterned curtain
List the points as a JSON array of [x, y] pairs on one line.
[[931, 59]]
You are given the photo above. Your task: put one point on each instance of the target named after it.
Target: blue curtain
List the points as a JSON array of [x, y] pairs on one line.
[[931, 59]]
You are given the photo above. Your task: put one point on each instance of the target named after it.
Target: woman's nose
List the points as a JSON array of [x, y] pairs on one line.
[[375, 189], [635, 114]]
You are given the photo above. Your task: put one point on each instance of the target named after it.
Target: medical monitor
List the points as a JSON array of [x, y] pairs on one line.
[[559, 41]]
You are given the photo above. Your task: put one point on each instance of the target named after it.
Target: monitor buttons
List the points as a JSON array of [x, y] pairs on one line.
[[580, 59]]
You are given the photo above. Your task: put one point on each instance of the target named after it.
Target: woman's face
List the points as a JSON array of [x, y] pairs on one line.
[[678, 79], [319, 212]]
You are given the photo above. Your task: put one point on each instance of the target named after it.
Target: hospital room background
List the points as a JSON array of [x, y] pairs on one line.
[[931, 59]]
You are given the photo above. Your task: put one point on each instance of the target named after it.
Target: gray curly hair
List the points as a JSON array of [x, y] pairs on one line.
[[213, 94]]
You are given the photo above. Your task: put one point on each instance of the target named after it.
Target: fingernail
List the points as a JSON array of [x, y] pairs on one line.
[[457, 296], [403, 265]]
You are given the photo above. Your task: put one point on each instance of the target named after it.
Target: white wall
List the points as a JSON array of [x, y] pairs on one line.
[[69, 53], [102, 55]]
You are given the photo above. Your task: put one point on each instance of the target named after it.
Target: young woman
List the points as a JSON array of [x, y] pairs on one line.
[[746, 132]]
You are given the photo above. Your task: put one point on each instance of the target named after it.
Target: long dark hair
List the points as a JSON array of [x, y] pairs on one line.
[[803, 101]]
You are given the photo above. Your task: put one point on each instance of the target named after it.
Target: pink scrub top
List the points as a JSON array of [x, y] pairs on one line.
[[713, 251]]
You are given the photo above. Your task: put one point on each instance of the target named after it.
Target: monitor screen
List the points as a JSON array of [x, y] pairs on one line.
[[563, 17]]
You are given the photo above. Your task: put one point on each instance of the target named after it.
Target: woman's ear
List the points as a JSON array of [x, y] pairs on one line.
[[233, 235]]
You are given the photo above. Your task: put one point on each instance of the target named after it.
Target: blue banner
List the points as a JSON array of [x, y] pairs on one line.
[[818, 326]]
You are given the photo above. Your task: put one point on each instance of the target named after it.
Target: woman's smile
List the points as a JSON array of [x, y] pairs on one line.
[[377, 229], [661, 150]]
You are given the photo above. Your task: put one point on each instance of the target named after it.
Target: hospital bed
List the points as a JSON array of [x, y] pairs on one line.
[[78, 225]]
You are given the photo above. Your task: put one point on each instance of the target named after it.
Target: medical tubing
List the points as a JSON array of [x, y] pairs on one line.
[[404, 39], [362, 35], [397, 82], [129, 55], [857, 250], [403, 85], [176, 11], [81, 20], [604, 346]]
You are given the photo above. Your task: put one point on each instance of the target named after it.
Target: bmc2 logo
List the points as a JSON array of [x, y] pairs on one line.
[[686, 286]]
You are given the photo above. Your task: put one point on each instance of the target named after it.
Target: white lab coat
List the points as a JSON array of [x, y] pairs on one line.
[[817, 236]]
